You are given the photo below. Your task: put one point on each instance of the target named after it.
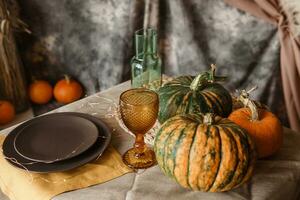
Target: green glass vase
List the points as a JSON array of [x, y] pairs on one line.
[[146, 64]]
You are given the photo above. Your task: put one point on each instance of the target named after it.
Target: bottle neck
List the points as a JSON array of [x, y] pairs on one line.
[[145, 42]]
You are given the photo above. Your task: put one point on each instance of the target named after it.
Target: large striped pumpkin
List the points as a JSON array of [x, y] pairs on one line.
[[207, 153], [188, 94]]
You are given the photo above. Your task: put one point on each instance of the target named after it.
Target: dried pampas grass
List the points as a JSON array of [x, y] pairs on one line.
[[292, 9], [12, 83]]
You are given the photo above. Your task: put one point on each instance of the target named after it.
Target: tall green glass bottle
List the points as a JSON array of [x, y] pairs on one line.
[[146, 64]]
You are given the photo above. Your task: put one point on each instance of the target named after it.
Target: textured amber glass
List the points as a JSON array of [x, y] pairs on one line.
[[139, 109]]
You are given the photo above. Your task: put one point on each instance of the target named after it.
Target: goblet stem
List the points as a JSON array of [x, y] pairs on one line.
[[139, 144]]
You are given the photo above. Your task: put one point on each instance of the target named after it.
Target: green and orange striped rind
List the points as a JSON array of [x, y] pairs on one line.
[[211, 158], [176, 97]]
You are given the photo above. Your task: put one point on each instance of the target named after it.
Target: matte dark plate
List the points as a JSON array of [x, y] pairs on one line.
[[52, 138], [91, 154]]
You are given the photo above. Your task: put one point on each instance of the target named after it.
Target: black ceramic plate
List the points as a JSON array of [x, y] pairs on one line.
[[52, 138], [92, 153]]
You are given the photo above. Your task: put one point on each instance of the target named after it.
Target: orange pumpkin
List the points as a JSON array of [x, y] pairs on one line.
[[67, 90], [7, 112], [264, 127], [40, 92]]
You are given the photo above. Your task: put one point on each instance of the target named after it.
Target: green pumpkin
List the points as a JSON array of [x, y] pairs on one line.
[[206, 153], [188, 94]]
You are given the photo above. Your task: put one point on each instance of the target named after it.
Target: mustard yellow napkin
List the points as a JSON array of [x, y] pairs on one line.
[[18, 184]]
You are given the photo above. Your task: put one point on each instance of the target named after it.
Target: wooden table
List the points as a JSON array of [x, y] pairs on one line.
[[275, 178]]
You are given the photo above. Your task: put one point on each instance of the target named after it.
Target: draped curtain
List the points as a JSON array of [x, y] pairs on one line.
[[278, 13], [92, 41]]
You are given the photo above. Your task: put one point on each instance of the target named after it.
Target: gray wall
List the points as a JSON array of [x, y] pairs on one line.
[[92, 41]]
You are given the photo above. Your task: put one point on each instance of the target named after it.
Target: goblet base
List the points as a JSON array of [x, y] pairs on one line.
[[136, 160]]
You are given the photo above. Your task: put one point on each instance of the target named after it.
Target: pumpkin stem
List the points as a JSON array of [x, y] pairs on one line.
[[244, 98], [206, 77], [67, 78], [252, 89], [199, 81], [208, 119], [212, 75], [213, 68]]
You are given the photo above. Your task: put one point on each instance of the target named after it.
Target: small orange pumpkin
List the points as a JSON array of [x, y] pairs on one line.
[[40, 92], [262, 125], [7, 112], [67, 90]]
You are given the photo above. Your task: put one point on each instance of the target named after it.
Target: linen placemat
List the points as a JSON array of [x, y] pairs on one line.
[[19, 184]]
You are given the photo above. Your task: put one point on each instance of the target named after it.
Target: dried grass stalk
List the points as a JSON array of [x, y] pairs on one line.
[[12, 81]]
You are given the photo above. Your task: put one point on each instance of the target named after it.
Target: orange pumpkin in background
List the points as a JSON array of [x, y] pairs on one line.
[[262, 125], [40, 92], [67, 90], [7, 112]]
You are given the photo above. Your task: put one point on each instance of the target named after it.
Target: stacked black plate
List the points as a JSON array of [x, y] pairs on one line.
[[56, 142]]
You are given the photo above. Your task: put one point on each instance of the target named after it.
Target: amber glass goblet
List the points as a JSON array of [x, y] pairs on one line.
[[139, 110]]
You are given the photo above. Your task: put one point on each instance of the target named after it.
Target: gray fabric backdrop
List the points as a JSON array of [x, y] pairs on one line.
[[92, 41]]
